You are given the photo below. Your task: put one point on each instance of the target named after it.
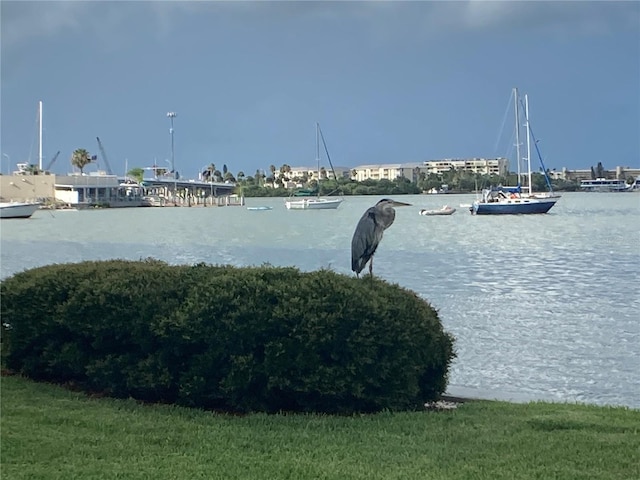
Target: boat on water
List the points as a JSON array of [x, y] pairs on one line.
[[263, 207], [445, 210], [514, 200], [18, 209], [310, 203], [25, 209], [604, 185], [315, 203]]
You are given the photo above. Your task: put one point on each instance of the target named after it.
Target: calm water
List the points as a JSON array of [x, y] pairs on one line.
[[542, 307]]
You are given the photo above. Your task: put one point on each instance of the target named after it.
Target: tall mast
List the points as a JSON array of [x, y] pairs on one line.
[[318, 148], [40, 136], [318, 153], [526, 114], [517, 115]]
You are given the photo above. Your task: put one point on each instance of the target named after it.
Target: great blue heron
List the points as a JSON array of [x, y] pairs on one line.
[[369, 232]]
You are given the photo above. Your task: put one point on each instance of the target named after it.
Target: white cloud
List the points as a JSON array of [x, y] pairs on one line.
[[23, 21]]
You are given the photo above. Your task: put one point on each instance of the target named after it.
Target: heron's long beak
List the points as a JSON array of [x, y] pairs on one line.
[[400, 204]]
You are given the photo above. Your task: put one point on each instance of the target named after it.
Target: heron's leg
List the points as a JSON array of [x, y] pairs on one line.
[[371, 266]]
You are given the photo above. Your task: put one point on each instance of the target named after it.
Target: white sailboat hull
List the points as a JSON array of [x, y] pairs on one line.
[[313, 203]]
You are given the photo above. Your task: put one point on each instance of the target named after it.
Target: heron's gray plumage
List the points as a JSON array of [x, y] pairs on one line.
[[369, 232]]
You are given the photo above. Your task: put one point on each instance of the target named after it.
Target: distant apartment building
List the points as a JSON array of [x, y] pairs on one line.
[[412, 171], [387, 171], [311, 173], [483, 166]]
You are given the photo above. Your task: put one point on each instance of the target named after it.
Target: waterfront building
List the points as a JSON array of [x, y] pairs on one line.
[[311, 173], [100, 189], [482, 166], [389, 171], [619, 173], [412, 170]]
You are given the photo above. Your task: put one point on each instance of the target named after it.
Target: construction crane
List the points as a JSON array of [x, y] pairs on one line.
[[52, 161], [104, 156]]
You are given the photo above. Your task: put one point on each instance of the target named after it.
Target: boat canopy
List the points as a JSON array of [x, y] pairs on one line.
[[500, 188]]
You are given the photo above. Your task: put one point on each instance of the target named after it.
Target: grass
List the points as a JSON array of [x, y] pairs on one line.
[[48, 432]]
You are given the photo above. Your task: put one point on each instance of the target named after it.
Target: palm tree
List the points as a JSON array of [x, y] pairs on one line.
[[80, 159], [137, 173]]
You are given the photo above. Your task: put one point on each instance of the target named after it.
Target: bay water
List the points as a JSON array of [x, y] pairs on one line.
[[543, 307]]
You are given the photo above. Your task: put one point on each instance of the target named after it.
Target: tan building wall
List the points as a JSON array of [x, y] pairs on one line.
[[484, 166], [498, 166], [312, 172], [22, 188], [385, 172]]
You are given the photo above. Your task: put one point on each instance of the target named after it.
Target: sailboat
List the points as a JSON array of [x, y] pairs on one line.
[[315, 203], [25, 209], [513, 200]]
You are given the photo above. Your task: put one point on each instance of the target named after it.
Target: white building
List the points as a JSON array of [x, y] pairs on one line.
[[483, 166], [412, 171], [389, 171], [311, 173]]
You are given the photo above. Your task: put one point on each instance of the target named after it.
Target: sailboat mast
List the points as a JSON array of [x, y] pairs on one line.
[[40, 135], [517, 116], [526, 114], [318, 153], [318, 148]]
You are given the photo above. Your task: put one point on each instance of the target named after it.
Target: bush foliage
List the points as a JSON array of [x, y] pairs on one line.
[[221, 337]]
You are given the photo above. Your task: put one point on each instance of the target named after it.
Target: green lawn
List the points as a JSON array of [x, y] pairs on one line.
[[48, 432]]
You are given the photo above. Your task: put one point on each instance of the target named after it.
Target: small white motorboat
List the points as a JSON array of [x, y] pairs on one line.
[[445, 210], [18, 209], [264, 207]]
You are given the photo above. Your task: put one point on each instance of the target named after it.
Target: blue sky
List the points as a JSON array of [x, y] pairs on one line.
[[388, 82]]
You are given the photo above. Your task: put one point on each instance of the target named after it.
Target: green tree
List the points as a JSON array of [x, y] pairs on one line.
[[80, 159], [136, 173]]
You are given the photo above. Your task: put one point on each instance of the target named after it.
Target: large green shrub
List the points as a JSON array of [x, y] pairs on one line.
[[235, 339]]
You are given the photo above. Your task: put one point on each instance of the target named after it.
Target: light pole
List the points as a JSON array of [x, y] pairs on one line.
[[171, 116], [8, 162]]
